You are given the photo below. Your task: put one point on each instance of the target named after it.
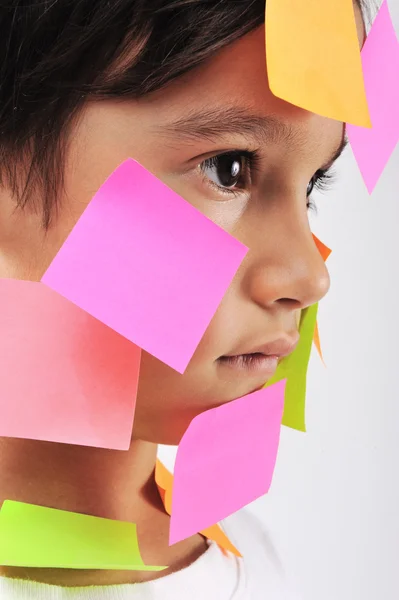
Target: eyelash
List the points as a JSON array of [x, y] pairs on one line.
[[322, 179]]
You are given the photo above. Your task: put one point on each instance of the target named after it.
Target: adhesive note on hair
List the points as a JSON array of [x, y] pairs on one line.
[[294, 368], [380, 55], [37, 536], [148, 264], [64, 376], [231, 450], [313, 58]]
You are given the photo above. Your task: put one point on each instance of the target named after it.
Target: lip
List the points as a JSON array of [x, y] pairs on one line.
[[280, 347], [261, 359], [259, 364]]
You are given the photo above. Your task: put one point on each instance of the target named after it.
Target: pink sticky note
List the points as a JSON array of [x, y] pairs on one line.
[[380, 56], [148, 264], [225, 460], [64, 376]]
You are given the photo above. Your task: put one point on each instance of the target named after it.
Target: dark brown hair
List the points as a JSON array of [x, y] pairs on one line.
[[54, 54]]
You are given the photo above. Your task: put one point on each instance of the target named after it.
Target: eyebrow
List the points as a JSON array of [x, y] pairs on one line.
[[220, 121], [217, 122]]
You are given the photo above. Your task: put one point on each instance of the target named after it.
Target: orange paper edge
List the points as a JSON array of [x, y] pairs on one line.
[[322, 248], [325, 253], [316, 340]]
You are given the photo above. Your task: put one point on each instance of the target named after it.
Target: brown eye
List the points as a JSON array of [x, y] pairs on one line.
[[226, 170]]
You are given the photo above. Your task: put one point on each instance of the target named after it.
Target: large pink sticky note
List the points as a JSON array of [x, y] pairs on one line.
[[64, 376], [380, 56], [225, 460], [148, 264]]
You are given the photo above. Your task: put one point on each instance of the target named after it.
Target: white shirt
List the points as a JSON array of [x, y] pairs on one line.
[[213, 576]]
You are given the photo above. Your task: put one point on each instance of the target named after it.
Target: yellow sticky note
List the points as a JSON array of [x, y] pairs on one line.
[[313, 58], [37, 536], [294, 368]]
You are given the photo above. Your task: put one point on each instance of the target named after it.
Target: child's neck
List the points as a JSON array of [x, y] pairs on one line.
[[105, 483]]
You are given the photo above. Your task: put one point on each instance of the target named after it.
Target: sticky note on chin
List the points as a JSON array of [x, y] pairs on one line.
[[232, 451], [64, 376], [148, 264], [37, 536], [380, 55]]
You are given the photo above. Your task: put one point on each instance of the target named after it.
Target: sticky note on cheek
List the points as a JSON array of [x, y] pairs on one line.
[[64, 376], [232, 451], [148, 264], [380, 55], [293, 369], [313, 58]]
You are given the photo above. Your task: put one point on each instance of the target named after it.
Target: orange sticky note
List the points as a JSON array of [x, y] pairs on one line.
[[313, 58], [316, 341], [322, 248], [325, 253]]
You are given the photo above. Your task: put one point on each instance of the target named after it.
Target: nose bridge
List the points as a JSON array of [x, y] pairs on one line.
[[285, 263]]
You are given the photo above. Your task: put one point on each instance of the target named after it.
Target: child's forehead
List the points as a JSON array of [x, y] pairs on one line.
[[234, 81], [229, 98], [236, 76]]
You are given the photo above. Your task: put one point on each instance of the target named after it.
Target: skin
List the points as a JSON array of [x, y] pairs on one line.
[[282, 274]]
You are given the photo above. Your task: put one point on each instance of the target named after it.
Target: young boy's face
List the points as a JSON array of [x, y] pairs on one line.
[[225, 106]]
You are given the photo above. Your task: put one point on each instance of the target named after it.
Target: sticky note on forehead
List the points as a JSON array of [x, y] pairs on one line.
[[380, 55], [64, 376], [232, 450], [313, 58], [148, 264]]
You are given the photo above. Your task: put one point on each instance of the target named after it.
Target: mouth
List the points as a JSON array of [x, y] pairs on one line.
[[262, 359], [255, 362]]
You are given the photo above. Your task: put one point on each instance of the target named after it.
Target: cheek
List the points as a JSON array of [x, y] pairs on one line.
[[166, 401], [161, 389]]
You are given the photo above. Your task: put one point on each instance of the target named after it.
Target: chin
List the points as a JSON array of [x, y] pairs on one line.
[[167, 428]]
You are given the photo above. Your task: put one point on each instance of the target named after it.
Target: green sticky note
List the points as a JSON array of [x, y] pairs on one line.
[[294, 368], [36, 536]]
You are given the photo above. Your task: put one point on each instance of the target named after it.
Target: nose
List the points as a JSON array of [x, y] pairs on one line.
[[285, 267]]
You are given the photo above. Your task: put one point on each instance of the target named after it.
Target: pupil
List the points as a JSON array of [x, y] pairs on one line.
[[229, 171], [235, 168]]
